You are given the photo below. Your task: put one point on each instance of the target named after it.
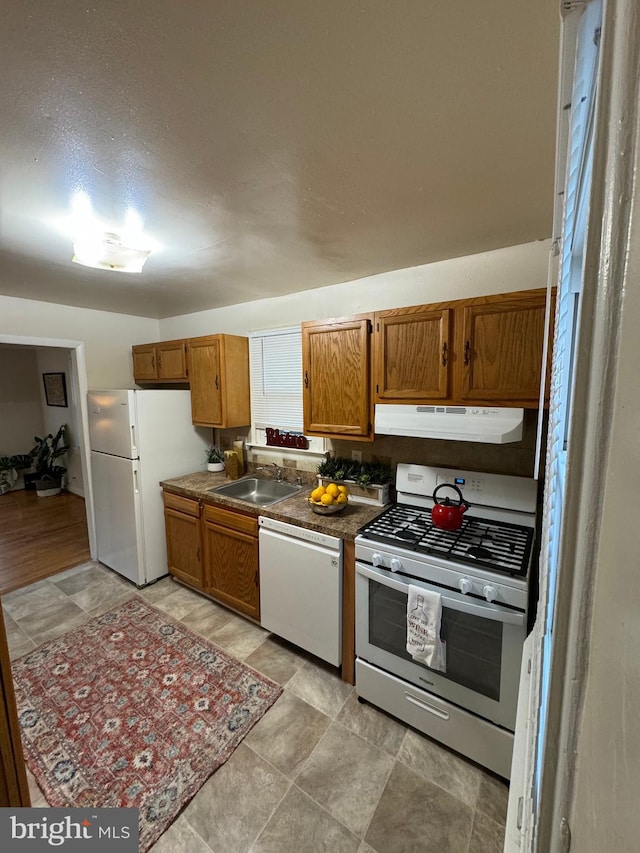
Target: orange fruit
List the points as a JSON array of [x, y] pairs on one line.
[[333, 490], [342, 498], [326, 499], [317, 493], [343, 489]]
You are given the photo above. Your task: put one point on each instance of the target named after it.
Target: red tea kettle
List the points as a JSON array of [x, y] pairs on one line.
[[448, 515]]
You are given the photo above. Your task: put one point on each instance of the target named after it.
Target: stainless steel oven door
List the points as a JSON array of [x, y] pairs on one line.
[[484, 643]]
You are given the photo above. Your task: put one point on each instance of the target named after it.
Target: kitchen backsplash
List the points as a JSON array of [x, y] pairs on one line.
[[517, 458]]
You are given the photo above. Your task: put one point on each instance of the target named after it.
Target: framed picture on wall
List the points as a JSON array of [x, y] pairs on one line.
[[55, 389]]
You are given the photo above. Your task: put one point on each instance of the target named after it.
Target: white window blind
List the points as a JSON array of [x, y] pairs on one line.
[[275, 360], [276, 379], [571, 273]]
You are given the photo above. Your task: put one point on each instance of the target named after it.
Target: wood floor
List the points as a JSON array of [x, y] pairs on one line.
[[40, 537]]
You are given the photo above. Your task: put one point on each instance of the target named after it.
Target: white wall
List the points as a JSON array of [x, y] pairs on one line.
[[521, 267], [108, 337], [20, 406], [604, 813], [608, 748], [58, 360]]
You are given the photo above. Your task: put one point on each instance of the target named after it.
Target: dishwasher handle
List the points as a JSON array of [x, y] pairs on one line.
[[293, 532], [265, 535]]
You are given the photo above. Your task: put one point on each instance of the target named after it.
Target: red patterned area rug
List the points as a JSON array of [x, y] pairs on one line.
[[133, 709]]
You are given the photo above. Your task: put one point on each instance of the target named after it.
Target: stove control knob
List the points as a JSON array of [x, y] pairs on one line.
[[465, 585], [490, 592], [377, 559], [395, 564]]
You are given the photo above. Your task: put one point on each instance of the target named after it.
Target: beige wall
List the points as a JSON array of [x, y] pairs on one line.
[[20, 406], [514, 268], [607, 780], [58, 360], [108, 337]]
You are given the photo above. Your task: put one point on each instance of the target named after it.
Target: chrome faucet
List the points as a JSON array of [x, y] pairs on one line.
[[278, 472]]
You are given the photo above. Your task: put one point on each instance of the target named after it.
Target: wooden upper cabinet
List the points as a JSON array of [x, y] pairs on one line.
[[485, 351], [172, 360], [337, 378], [165, 361], [219, 380], [500, 341], [412, 354], [144, 363]]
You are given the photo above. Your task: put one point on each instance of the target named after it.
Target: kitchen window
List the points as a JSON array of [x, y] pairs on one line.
[[275, 359]]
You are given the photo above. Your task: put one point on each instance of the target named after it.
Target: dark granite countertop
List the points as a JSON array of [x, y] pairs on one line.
[[294, 510]]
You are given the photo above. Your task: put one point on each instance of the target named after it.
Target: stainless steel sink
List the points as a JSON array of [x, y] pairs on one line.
[[257, 491]]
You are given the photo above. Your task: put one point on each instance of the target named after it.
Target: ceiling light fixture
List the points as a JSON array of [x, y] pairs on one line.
[[104, 246], [108, 251]]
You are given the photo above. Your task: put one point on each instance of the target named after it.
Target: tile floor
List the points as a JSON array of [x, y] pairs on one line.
[[319, 772]]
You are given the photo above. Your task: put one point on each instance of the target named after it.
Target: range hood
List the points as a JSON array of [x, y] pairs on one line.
[[453, 423]]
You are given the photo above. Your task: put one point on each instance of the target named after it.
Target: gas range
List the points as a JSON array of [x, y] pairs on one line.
[[495, 540], [499, 546], [478, 576]]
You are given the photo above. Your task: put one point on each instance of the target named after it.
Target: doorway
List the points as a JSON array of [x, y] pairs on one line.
[[75, 352]]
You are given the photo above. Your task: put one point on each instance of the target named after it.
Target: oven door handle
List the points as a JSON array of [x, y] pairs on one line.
[[453, 601]]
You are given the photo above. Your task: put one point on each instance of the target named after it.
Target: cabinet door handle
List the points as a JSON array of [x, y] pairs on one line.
[[467, 352], [153, 362], [217, 383], [255, 578], [306, 379], [198, 554], [444, 354], [159, 361]]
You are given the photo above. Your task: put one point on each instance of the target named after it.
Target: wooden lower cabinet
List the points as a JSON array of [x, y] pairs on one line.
[[231, 558], [215, 550], [184, 539], [349, 612]]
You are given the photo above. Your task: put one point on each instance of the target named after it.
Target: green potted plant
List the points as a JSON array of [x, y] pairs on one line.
[[10, 467], [44, 455], [368, 482], [215, 459]]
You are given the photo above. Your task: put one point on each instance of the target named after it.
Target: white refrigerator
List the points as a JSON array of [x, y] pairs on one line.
[[137, 439]]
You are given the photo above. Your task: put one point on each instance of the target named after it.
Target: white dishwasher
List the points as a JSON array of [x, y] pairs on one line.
[[301, 587]]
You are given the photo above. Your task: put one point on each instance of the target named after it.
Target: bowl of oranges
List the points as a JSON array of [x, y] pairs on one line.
[[329, 499]]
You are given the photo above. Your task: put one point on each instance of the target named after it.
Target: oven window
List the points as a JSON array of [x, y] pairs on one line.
[[474, 644]]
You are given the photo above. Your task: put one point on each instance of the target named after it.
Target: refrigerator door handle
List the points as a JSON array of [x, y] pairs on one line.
[[136, 488], [134, 444]]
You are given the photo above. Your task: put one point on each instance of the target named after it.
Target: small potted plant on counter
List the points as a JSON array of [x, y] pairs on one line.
[[368, 482], [215, 459]]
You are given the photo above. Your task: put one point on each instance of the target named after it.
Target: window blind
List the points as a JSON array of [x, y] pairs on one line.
[[275, 364], [276, 379], [574, 217]]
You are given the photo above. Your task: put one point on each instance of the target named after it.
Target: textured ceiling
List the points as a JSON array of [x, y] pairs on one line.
[[271, 146]]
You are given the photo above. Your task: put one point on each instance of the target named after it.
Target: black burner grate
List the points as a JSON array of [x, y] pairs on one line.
[[496, 545]]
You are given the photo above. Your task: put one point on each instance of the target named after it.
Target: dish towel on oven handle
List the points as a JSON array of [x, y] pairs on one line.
[[424, 614]]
